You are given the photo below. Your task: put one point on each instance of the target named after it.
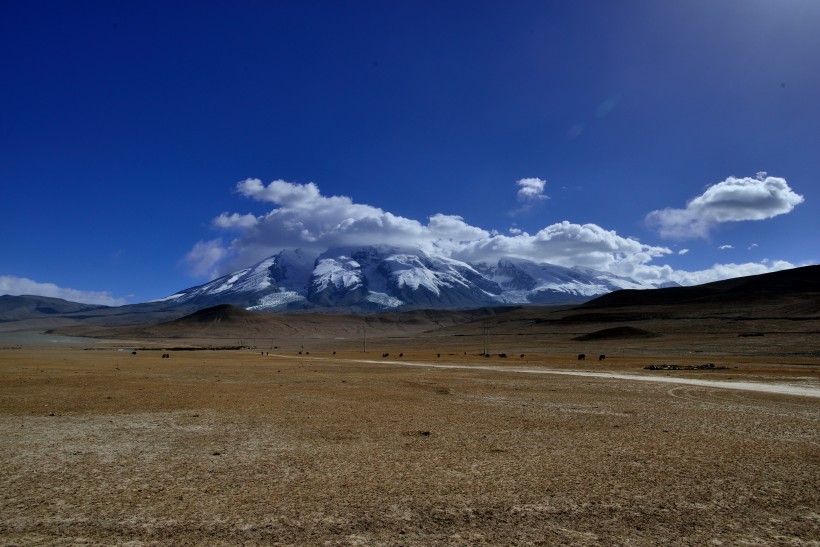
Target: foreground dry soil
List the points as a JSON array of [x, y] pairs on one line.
[[235, 447]]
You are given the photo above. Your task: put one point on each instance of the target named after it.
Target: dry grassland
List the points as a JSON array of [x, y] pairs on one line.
[[235, 447]]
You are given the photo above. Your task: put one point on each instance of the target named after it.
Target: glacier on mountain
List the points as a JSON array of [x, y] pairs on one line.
[[372, 278]]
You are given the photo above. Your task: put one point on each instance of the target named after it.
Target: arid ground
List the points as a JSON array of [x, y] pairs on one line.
[[267, 446]]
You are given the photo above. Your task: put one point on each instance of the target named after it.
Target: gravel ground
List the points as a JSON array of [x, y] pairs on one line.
[[234, 447]]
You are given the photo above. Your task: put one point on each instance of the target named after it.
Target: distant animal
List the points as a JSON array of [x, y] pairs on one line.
[[503, 355], [385, 355], [438, 355], [522, 355], [581, 356], [133, 353], [401, 355], [601, 357]]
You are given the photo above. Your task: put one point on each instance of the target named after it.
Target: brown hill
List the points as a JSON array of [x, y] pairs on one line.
[[227, 321]]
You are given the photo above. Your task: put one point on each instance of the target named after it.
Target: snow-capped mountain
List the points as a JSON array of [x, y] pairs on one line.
[[375, 278], [274, 283]]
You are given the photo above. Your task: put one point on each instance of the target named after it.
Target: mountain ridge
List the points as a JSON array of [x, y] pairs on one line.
[[379, 278]]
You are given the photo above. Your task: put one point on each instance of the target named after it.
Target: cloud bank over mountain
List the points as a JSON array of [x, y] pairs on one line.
[[301, 217], [304, 218], [732, 200], [17, 286]]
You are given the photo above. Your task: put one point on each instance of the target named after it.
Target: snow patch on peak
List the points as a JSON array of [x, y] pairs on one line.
[[340, 273], [384, 300], [277, 300], [229, 282]]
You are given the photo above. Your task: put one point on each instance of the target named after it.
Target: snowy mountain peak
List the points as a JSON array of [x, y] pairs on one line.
[[371, 278]]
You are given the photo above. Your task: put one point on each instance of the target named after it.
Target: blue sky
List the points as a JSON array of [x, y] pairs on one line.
[[141, 141]]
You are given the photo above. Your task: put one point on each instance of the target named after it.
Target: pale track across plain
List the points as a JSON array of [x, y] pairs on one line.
[[761, 387]]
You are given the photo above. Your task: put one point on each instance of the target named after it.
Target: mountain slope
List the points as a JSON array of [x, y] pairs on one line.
[[17, 308], [373, 278]]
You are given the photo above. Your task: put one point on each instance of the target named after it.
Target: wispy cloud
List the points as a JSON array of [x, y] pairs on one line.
[[683, 251], [732, 200], [726, 271], [204, 259], [14, 285], [725, 247]]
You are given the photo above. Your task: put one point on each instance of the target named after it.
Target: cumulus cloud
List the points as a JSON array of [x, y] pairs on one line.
[[732, 200], [531, 189], [301, 217], [14, 285], [564, 244], [725, 247]]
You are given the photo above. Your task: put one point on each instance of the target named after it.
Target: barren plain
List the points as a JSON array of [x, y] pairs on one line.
[[325, 440]]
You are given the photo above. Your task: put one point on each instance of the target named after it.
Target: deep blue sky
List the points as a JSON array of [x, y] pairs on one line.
[[125, 126]]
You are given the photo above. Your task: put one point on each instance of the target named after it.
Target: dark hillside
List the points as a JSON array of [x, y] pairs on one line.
[[751, 290]]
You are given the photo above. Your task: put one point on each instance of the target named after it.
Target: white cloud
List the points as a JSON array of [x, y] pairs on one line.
[[564, 244], [13, 285], [234, 220], [725, 247], [752, 246], [650, 273], [727, 271], [732, 200], [302, 217], [531, 189]]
